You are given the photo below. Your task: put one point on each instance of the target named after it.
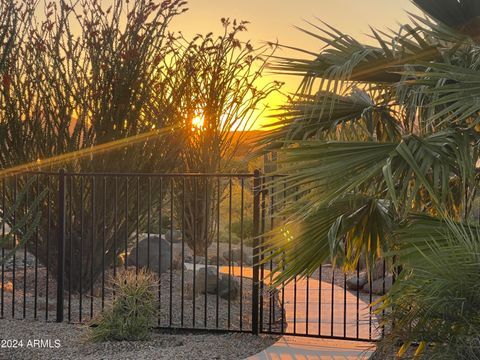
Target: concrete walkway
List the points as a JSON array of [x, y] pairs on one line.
[[301, 348], [347, 317]]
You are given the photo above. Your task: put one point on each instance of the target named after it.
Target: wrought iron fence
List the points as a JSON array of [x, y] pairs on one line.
[[200, 233]]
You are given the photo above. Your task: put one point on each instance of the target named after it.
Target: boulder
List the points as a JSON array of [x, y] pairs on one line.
[[174, 236], [221, 261], [152, 260], [377, 285], [228, 287], [211, 273], [199, 260], [377, 271], [355, 282], [236, 256]]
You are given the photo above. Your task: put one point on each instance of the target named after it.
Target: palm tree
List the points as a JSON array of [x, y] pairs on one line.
[[380, 148], [375, 135]]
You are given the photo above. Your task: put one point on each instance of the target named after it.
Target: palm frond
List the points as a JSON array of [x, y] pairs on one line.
[[461, 15], [325, 113], [431, 303], [340, 232], [453, 92], [331, 169]]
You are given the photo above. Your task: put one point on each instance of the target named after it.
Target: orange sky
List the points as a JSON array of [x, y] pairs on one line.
[[275, 19]]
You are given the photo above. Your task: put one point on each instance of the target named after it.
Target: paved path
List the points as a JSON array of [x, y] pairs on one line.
[[347, 317], [301, 348], [350, 319]]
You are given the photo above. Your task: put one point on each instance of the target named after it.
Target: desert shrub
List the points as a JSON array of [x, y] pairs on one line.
[[133, 311], [247, 228], [65, 90], [223, 76]]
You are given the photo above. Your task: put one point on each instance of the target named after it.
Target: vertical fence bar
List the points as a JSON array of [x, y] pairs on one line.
[[92, 241], [137, 214], [2, 309], [171, 255], [320, 300], [229, 249], [206, 255], [160, 214], [61, 244], [14, 245], [104, 223], [183, 253], [218, 253], [263, 196], [70, 236], [256, 243], [194, 221], [115, 229], [27, 189], [80, 263], [3, 250], [35, 286], [241, 251]]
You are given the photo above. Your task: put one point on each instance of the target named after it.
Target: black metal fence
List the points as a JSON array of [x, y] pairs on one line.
[[201, 235]]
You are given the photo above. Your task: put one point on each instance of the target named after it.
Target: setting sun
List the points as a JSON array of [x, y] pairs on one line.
[[198, 122]]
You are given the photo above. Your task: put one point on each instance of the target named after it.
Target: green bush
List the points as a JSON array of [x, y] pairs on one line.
[[247, 228], [132, 313]]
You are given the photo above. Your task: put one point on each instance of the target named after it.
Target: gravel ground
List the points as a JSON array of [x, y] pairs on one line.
[[233, 314], [73, 344]]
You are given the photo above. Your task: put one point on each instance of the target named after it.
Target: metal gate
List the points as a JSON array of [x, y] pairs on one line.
[[200, 233]]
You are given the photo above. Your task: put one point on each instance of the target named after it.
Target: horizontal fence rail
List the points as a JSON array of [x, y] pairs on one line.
[[200, 234]]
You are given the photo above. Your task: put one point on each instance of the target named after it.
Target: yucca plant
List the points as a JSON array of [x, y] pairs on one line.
[[378, 132]]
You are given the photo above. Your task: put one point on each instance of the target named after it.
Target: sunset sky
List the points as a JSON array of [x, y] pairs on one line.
[[273, 20]]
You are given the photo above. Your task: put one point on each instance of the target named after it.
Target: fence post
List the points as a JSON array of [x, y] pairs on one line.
[[60, 244], [256, 243]]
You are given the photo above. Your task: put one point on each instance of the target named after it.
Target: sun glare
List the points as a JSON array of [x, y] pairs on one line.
[[198, 123]]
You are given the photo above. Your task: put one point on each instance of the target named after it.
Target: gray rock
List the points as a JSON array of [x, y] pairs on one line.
[[199, 260], [377, 271], [221, 261], [152, 260], [211, 273], [236, 256], [228, 287], [174, 236], [355, 282], [377, 285], [19, 260]]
